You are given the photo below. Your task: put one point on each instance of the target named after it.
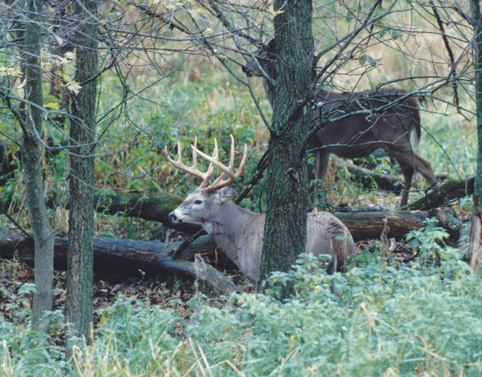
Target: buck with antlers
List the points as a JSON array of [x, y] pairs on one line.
[[238, 232], [356, 124]]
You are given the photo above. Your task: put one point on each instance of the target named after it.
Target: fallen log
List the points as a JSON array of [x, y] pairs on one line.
[[152, 208], [362, 225], [114, 253], [443, 194], [158, 256], [370, 224]]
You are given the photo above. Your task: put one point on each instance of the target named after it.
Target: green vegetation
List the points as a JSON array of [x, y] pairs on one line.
[[387, 320]]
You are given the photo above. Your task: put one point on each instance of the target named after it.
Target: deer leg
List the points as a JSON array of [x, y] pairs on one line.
[[410, 162], [322, 159], [321, 164], [405, 157], [424, 168], [407, 177]]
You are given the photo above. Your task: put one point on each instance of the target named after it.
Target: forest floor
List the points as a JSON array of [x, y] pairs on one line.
[[157, 289], [108, 285]]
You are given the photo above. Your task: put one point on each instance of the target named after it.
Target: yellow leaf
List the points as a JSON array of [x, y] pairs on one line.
[[22, 84], [69, 55], [52, 105], [74, 86], [59, 40]]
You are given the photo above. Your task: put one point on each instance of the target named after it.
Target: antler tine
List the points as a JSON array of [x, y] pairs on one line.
[[231, 158], [210, 170], [213, 161], [194, 155], [219, 183], [189, 169]]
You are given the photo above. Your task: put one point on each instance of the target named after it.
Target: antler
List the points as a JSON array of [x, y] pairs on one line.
[[229, 170], [213, 161], [205, 176]]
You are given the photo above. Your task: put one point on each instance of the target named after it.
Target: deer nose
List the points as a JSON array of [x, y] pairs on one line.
[[173, 218]]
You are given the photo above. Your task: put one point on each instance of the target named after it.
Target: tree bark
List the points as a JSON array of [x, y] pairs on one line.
[[475, 248], [287, 176], [79, 307], [32, 157]]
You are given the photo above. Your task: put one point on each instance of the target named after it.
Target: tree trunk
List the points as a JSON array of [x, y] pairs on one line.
[[79, 309], [32, 157], [475, 251], [287, 179]]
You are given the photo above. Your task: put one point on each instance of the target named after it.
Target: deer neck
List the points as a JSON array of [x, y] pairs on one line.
[[230, 229]]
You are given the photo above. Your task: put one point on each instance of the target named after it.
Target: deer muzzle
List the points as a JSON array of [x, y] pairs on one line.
[[173, 218]]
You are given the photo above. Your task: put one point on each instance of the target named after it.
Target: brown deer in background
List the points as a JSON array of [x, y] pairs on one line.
[[356, 124], [239, 232]]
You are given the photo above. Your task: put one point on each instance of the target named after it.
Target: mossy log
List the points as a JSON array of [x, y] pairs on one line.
[[371, 224], [148, 207], [442, 195]]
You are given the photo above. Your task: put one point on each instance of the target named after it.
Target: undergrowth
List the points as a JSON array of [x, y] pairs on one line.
[[423, 319]]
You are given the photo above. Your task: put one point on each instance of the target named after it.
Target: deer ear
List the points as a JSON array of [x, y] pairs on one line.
[[225, 194]]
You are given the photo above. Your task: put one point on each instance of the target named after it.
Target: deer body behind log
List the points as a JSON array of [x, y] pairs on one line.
[[356, 124], [239, 232]]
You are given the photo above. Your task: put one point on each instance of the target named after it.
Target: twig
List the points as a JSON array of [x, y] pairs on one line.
[[15, 223]]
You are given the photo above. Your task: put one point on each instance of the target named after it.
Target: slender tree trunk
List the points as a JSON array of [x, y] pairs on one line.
[[79, 310], [475, 255], [287, 180], [32, 156]]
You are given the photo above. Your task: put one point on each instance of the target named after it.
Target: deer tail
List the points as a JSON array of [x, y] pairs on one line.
[[415, 117], [341, 242]]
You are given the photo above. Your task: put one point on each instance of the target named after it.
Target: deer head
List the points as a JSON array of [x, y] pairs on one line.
[[201, 205], [262, 62]]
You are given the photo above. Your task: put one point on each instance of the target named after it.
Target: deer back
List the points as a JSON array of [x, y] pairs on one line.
[[382, 121], [240, 234]]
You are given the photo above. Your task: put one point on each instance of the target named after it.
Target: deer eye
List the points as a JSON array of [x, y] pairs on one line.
[[198, 201]]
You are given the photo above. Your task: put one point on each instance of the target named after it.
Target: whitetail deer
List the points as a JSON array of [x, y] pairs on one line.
[[362, 122], [238, 232]]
